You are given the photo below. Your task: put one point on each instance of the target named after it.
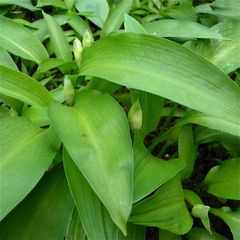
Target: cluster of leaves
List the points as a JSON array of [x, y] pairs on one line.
[[71, 71]]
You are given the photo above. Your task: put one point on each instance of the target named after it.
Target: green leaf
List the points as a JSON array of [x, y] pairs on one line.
[[165, 209], [23, 3], [134, 232], [201, 211], [115, 18], [44, 213], [166, 235], [186, 151], [232, 219], [223, 53], [94, 217], [54, 3], [18, 40], [132, 25], [75, 229], [155, 170], [58, 39], [6, 60], [202, 234], [222, 177], [49, 64], [95, 10], [180, 29], [22, 87], [198, 83], [99, 124], [26, 153], [226, 8]]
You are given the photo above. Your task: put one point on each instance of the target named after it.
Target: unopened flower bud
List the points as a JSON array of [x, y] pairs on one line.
[[77, 51], [68, 91], [87, 39], [135, 116]]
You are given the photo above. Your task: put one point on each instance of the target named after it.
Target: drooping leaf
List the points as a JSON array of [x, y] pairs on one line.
[[26, 153], [232, 219], [6, 60], [115, 18], [223, 53], [165, 209], [180, 29], [18, 40], [94, 217], [12, 102], [225, 176], [75, 229], [22, 87], [151, 172], [200, 85], [58, 39], [96, 9], [44, 213], [98, 124]]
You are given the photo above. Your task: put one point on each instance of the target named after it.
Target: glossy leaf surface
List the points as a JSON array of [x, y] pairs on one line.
[[22, 87], [94, 216], [151, 172], [225, 176], [135, 60], [21, 42], [26, 153], [98, 124], [165, 209], [44, 213]]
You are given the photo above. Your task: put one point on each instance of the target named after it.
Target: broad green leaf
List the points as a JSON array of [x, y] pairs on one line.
[[202, 234], [26, 153], [44, 213], [99, 124], [20, 41], [151, 106], [22, 87], [115, 18], [58, 39], [186, 151], [226, 8], [22, 3], [223, 53], [94, 217], [232, 219], [165, 209], [6, 60], [95, 10], [222, 177], [151, 172], [180, 29], [134, 232], [54, 3], [198, 83], [75, 229]]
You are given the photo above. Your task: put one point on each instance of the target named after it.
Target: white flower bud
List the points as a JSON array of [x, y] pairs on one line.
[[77, 51], [87, 39], [68, 91], [135, 116]]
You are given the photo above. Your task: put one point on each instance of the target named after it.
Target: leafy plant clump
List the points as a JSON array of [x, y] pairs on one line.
[[120, 119]]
